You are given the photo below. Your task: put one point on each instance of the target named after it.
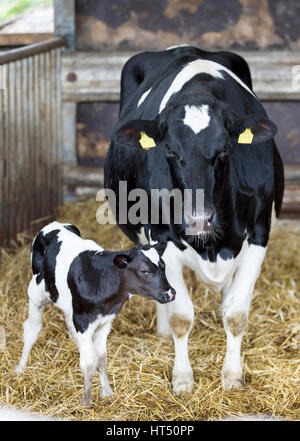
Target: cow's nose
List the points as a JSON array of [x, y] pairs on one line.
[[209, 218], [203, 222]]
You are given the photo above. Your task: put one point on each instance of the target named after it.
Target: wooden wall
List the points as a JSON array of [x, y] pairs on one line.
[[136, 25], [227, 24], [103, 34]]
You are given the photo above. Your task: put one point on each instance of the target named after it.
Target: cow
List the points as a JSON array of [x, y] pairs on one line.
[[89, 285], [205, 129]]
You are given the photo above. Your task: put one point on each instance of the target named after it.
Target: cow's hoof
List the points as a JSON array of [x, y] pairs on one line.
[[232, 380], [164, 336], [183, 382]]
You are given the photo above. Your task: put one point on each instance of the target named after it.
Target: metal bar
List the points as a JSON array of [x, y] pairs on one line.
[[2, 216], [59, 128], [33, 49], [25, 143], [6, 208]]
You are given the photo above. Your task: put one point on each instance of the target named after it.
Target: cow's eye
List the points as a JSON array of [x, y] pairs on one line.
[[223, 155], [145, 273]]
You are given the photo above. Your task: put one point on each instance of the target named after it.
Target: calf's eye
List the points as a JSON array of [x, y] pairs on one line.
[[145, 273]]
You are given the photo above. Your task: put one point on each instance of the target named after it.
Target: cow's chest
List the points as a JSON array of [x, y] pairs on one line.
[[217, 273]]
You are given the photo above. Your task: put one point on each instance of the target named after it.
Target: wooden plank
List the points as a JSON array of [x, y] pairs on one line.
[[64, 21], [69, 152], [23, 39], [95, 76]]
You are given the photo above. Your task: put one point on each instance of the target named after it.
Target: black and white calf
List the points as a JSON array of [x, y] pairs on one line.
[[90, 285], [207, 130]]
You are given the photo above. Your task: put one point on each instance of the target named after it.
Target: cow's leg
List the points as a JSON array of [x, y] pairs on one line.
[[179, 314], [163, 325], [100, 340], [33, 324], [88, 363], [236, 299]]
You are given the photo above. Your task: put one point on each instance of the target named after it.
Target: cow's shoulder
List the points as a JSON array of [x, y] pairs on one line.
[[235, 63], [232, 61]]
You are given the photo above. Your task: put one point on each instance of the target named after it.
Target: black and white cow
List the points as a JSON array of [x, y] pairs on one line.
[[196, 108], [89, 285]]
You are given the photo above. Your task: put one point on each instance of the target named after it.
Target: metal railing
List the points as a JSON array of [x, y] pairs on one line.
[[30, 136]]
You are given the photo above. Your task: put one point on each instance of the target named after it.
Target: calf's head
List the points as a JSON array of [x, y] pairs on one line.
[[199, 134], [143, 273]]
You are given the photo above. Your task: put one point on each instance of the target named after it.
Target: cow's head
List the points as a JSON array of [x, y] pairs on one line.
[[198, 134]]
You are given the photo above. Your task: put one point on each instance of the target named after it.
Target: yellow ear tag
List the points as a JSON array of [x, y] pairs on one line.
[[146, 142], [246, 137]]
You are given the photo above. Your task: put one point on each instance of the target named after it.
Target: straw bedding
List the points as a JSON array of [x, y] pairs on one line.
[[140, 363]]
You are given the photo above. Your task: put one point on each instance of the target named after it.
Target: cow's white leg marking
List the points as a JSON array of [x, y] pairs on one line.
[[33, 324], [180, 314], [163, 326], [100, 339], [236, 299]]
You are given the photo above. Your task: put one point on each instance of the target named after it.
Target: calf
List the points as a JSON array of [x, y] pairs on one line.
[[90, 285]]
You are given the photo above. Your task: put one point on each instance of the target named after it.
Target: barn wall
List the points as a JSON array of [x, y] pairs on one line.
[[114, 25], [95, 123], [230, 24]]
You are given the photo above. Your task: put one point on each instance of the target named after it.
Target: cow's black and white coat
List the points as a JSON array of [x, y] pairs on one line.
[[195, 104], [89, 285]]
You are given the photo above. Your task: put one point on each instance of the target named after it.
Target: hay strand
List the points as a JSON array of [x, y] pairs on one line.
[[139, 363]]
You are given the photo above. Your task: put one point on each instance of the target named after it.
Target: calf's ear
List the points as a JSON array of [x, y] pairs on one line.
[[121, 261], [160, 248], [139, 133]]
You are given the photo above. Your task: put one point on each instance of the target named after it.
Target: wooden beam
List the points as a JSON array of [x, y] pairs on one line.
[[64, 21], [23, 39], [69, 153], [95, 76]]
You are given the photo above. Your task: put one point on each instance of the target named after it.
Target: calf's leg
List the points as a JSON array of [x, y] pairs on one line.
[[88, 363], [33, 324], [236, 299], [100, 339]]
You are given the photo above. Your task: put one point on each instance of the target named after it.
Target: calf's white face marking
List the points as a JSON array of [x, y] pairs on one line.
[[152, 255], [196, 67], [197, 117]]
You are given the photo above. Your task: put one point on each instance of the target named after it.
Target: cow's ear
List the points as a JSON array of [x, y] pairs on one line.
[[253, 130], [250, 129], [139, 134], [121, 260]]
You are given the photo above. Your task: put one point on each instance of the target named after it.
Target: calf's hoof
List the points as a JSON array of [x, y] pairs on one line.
[[183, 382], [106, 393], [232, 380], [20, 369], [86, 403]]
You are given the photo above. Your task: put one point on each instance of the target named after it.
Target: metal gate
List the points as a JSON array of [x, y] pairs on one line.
[[30, 136]]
